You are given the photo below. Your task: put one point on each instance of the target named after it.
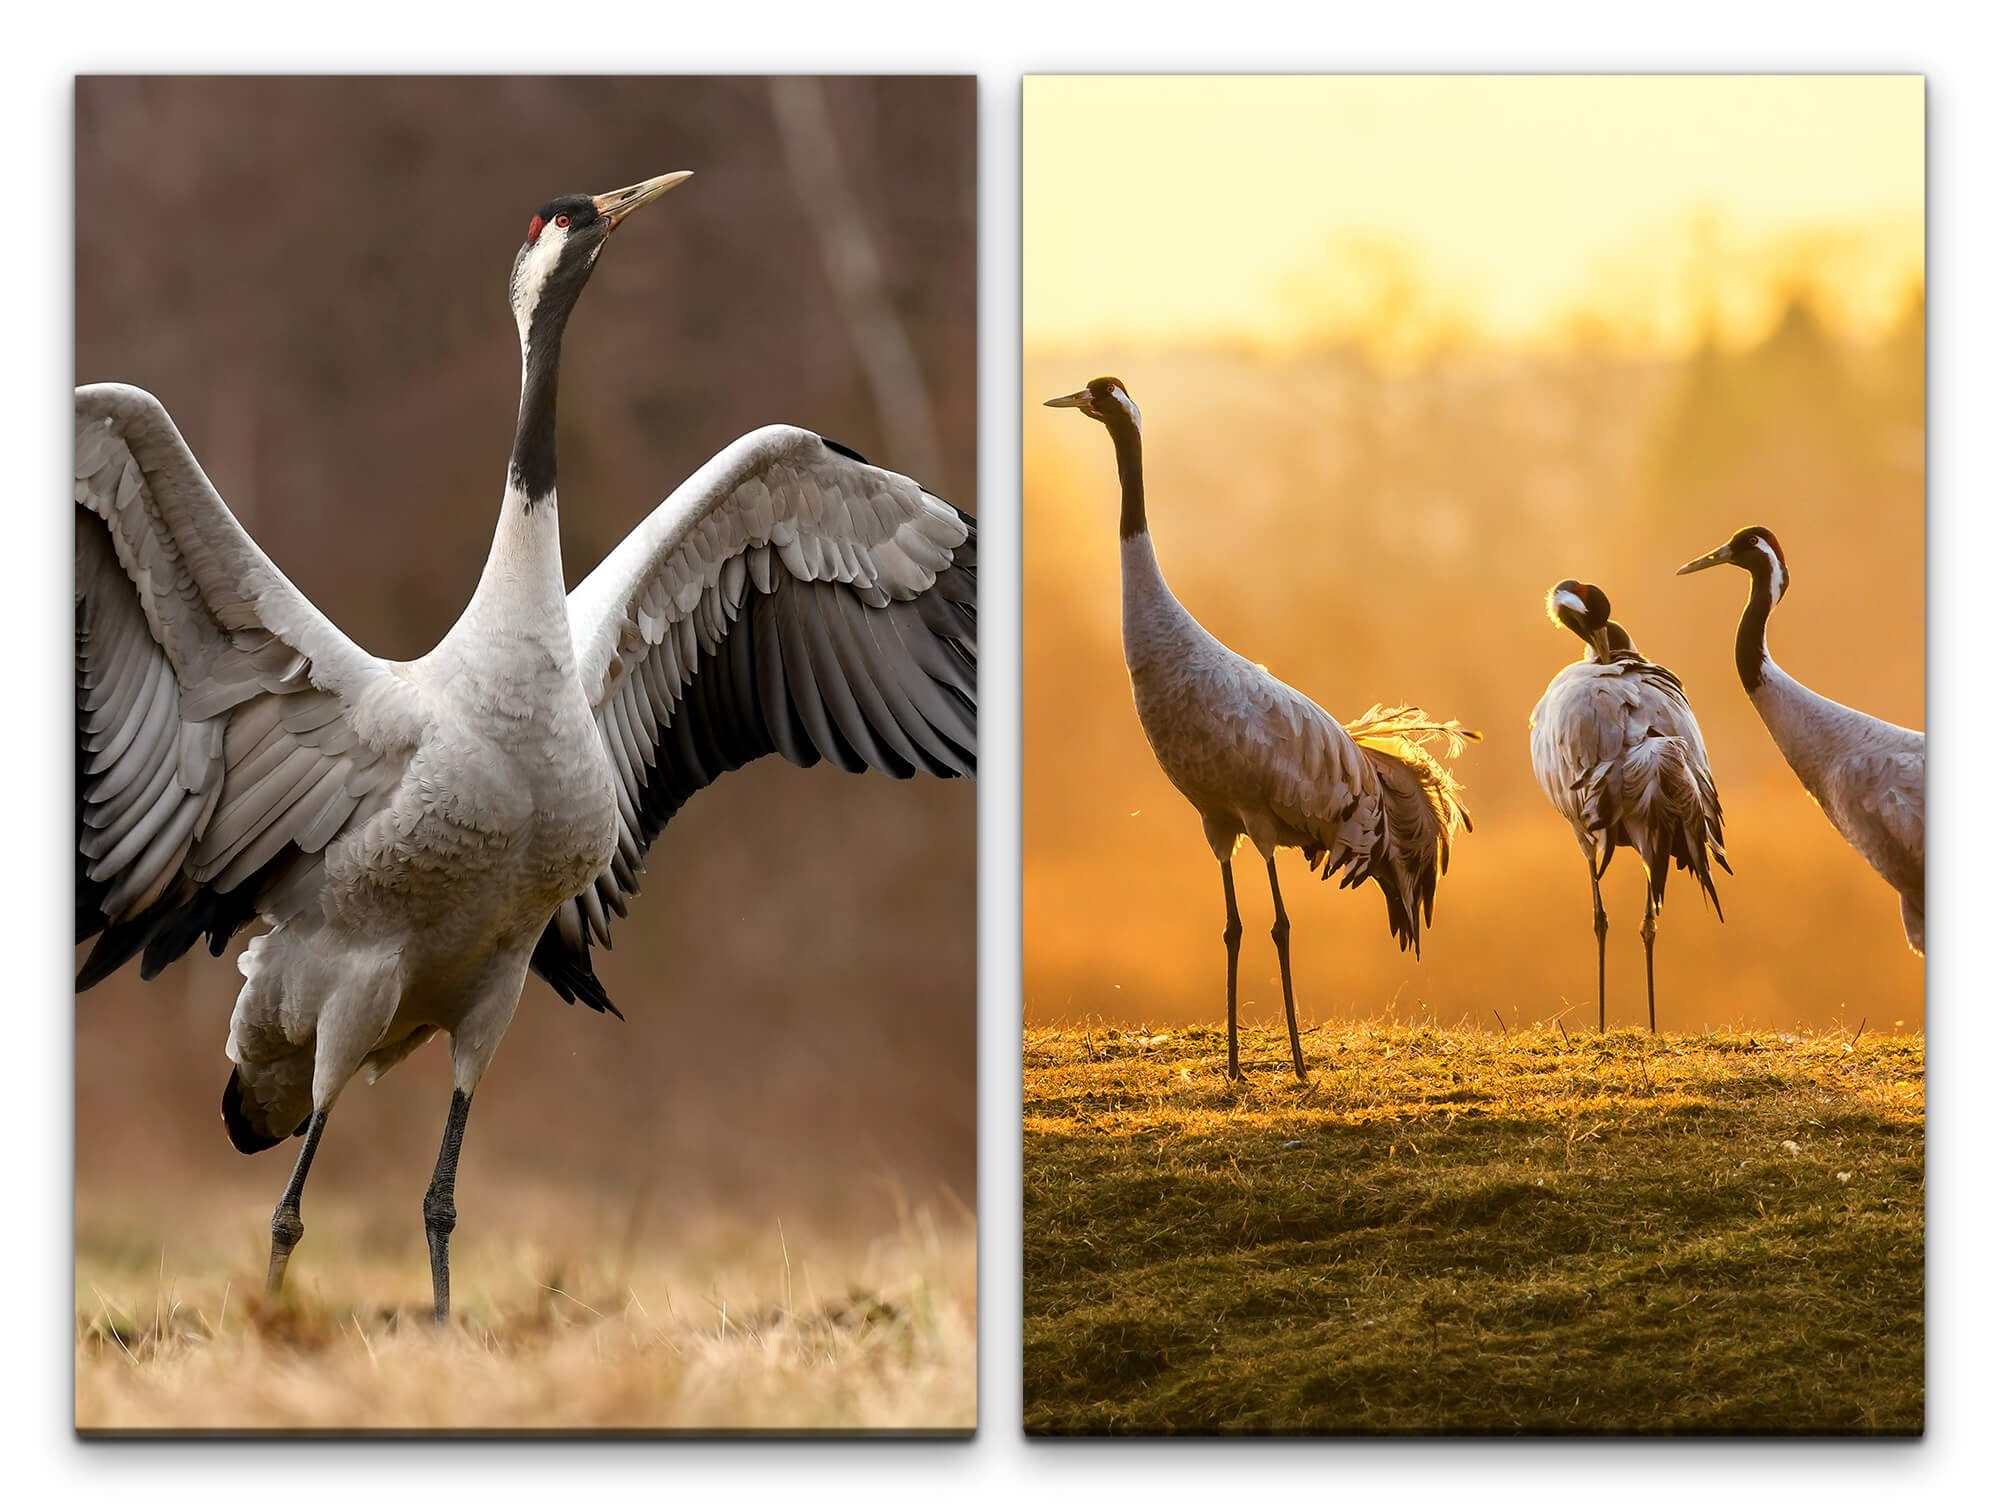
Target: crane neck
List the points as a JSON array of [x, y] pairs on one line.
[[520, 592], [1753, 656], [531, 468], [1131, 476]]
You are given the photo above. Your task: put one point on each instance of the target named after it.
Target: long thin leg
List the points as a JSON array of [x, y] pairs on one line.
[[1281, 932], [1646, 932], [1232, 940], [286, 1228], [1601, 924], [440, 1210]]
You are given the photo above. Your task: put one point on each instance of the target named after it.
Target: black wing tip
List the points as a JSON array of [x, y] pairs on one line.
[[183, 915], [578, 983], [570, 974], [844, 450], [116, 945], [243, 1134], [98, 965]]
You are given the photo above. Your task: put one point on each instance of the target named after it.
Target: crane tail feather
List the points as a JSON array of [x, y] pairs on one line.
[[245, 1135], [1423, 812], [1659, 799]]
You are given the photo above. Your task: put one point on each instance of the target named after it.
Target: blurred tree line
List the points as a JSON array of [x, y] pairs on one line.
[[1382, 526]]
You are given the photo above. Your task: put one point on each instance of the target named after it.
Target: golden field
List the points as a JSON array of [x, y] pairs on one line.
[[1450, 1230], [720, 1329]]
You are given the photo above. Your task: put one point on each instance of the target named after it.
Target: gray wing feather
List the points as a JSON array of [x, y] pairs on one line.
[[216, 746], [788, 599]]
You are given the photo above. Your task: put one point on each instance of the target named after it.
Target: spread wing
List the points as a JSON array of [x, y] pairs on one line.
[[218, 745], [789, 598]]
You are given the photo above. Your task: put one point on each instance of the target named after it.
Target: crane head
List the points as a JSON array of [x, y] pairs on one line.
[[564, 238], [1106, 400], [1586, 611], [1755, 549]]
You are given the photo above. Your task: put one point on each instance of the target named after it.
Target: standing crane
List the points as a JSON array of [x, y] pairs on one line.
[[1866, 775], [1257, 758], [417, 836], [1618, 753]]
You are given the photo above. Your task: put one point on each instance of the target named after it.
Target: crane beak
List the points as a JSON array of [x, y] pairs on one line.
[[1074, 399], [1706, 561], [615, 205], [1600, 641]]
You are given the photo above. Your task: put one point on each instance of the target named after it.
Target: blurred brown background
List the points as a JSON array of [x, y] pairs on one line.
[[311, 274], [1371, 485]]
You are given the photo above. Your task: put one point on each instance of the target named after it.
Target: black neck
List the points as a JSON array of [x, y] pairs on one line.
[[1131, 477], [1752, 657], [1581, 630], [532, 466]]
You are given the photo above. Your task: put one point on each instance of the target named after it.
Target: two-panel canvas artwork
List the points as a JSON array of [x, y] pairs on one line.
[[527, 719]]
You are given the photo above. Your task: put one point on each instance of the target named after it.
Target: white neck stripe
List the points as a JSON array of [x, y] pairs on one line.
[[1778, 580], [532, 275]]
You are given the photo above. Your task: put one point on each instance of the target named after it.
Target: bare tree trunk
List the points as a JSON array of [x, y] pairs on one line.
[[888, 360]]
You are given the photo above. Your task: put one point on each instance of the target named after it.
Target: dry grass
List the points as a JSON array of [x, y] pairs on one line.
[[764, 1332], [1450, 1230]]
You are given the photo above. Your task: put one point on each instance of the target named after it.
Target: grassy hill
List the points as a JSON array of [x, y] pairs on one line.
[[1459, 1231]]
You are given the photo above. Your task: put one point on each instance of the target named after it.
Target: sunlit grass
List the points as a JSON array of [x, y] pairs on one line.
[[1449, 1230], [764, 1332]]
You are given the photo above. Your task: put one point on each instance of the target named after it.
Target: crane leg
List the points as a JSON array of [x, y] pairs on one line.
[[1647, 929], [1232, 941], [1281, 933], [440, 1210], [1601, 924], [286, 1228]]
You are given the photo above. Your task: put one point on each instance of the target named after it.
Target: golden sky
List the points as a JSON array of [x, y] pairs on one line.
[[1262, 210]]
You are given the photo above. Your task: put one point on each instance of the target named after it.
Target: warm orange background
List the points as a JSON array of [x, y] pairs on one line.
[[1383, 414]]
